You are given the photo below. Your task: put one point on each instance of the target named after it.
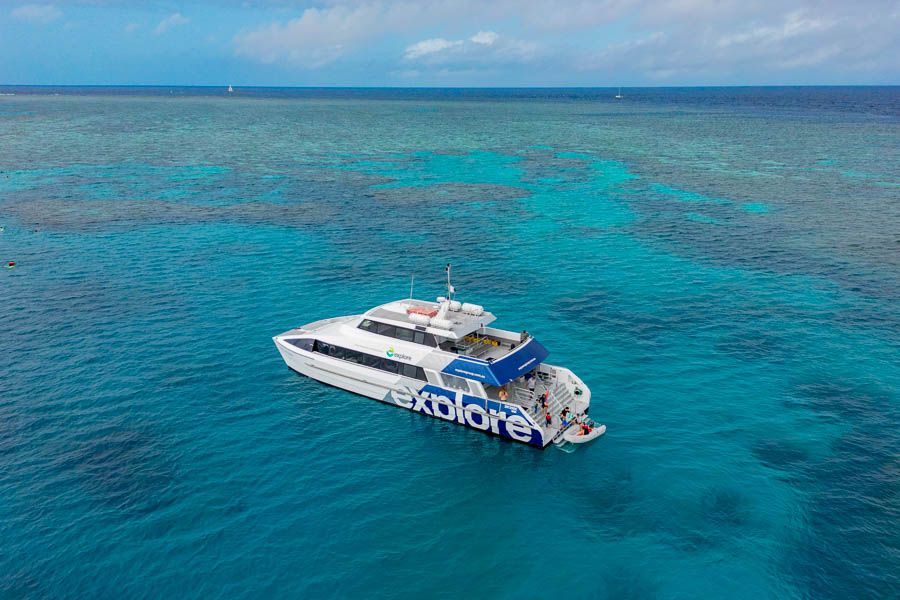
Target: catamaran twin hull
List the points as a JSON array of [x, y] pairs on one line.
[[491, 416], [443, 360]]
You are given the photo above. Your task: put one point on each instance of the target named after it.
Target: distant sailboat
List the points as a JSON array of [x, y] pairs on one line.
[[230, 90], [619, 96]]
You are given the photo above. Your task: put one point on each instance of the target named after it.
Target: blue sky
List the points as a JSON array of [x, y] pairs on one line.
[[450, 42]]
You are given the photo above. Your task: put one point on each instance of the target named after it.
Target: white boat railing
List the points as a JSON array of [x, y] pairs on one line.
[[559, 398]]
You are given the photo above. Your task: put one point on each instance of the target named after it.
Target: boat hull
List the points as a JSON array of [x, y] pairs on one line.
[[502, 419]]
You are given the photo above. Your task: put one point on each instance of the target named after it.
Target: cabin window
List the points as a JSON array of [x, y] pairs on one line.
[[386, 330], [302, 343], [412, 371], [369, 325], [425, 339], [403, 334], [398, 333], [366, 360], [454, 382], [371, 361], [391, 366], [350, 356]]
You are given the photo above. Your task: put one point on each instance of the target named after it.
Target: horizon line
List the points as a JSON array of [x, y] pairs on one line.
[[443, 87]]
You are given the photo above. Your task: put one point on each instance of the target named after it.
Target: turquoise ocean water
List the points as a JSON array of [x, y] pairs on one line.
[[721, 266]]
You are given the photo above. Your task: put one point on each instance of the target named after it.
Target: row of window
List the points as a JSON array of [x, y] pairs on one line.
[[399, 333], [360, 358]]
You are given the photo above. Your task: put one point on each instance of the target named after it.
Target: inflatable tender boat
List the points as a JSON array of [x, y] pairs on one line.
[[575, 436]]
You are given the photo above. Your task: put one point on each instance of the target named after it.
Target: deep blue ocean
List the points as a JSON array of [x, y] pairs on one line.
[[720, 265]]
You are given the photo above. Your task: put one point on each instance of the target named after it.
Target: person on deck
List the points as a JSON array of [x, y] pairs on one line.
[[549, 419]]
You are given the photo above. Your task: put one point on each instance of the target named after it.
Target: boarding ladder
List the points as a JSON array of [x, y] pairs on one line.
[[559, 398]]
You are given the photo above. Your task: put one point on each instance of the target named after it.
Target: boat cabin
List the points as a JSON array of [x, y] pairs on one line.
[[493, 357]]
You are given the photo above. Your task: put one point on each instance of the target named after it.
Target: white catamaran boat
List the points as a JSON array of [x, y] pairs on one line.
[[442, 359]]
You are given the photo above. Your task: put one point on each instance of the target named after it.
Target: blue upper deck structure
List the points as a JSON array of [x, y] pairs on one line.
[[521, 360]]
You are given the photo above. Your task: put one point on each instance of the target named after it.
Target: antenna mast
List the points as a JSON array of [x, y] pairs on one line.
[[450, 289]]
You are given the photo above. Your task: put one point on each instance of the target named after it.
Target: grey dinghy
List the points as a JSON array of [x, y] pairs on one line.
[[575, 436]]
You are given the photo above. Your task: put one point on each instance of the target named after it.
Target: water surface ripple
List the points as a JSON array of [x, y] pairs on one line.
[[721, 267]]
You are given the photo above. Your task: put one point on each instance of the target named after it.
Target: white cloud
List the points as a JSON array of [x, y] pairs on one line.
[[132, 27], [771, 46], [485, 48], [320, 36], [173, 20], [702, 41], [338, 29], [425, 47], [36, 13], [794, 24], [484, 37]]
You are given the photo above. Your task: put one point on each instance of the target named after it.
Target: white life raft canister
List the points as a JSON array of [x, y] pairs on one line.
[[441, 323], [473, 309], [420, 319]]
